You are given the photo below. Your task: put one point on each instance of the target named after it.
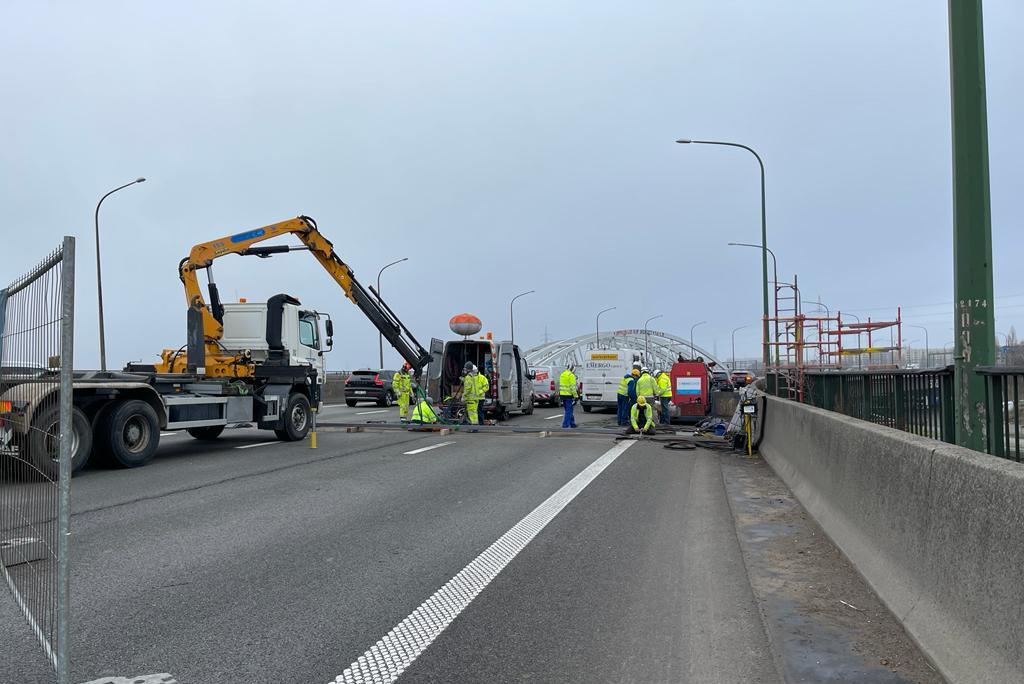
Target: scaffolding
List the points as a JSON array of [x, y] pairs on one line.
[[818, 342]]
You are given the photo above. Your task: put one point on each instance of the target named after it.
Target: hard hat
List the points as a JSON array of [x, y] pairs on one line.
[[641, 400], [645, 369], [468, 367], [635, 372], [658, 372], [474, 369]]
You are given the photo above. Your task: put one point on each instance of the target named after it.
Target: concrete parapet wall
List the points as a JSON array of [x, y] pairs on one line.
[[937, 530]]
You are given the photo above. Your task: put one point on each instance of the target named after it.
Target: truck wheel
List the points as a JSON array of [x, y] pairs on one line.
[[206, 433], [296, 419], [351, 403], [129, 434], [44, 441]]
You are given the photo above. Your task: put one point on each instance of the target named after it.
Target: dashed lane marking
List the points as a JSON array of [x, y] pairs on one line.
[[257, 444], [162, 678], [396, 651], [557, 415], [426, 448], [368, 413]]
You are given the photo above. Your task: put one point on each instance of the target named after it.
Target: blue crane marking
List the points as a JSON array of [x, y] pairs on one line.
[[249, 235]]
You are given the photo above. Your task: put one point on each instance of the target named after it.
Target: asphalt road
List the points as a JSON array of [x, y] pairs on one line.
[[250, 560]]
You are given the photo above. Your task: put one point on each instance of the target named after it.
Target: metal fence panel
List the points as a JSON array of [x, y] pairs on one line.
[[36, 445]]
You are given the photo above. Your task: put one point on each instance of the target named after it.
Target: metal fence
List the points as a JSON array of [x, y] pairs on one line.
[[1004, 389], [36, 435], [917, 401]]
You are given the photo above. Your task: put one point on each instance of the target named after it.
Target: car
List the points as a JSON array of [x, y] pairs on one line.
[[742, 378], [720, 381], [370, 385]]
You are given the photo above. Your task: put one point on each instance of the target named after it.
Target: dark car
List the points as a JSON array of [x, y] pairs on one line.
[[370, 385], [720, 381], [742, 378]]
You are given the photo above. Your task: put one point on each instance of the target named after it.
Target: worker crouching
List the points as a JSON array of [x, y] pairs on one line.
[[424, 413], [641, 417]]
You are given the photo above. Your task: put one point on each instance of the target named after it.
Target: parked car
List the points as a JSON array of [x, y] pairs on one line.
[[545, 385], [742, 378], [511, 382], [720, 381], [370, 385]]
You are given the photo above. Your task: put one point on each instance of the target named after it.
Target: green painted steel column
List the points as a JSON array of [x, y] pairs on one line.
[[972, 222]]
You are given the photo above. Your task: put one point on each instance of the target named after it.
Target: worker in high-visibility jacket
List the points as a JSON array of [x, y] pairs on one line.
[[424, 413], [483, 385], [664, 381], [641, 417], [401, 384], [646, 386], [622, 399], [471, 394], [568, 391]]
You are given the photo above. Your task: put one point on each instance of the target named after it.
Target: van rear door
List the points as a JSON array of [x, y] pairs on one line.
[[433, 371], [507, 385]]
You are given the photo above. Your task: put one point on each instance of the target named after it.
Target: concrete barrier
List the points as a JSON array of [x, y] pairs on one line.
[[935, 529]]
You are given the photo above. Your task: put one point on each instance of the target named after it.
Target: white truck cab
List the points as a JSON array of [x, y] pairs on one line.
[[254, 326]]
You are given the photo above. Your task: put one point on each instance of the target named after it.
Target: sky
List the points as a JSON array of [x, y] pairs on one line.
[[504, 147]]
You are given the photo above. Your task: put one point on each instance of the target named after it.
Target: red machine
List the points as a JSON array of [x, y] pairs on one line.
[[691, 389]]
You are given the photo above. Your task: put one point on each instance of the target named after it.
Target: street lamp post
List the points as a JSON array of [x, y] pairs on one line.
[[691, 333], [99, 277], [926, 345], [597, 326], [511, 317], [647, 339], [764, 234], [380, 336], [736, 330]]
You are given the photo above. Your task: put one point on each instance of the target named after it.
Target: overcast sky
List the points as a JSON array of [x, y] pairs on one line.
[[503, 146]]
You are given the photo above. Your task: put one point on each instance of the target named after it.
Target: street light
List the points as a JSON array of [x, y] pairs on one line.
[[511, 318], [99, 278], [597, 325], [828, 312], [736, 330], [691, 333], [380, 336], [926, 345], [764, 233], [775, 280], [647, 339]]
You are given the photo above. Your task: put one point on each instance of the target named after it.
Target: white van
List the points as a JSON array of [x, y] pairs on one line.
[[501, 362], [600, 374], [545, 385]]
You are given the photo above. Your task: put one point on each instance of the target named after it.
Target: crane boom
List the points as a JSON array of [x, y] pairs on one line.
[[207, 319]]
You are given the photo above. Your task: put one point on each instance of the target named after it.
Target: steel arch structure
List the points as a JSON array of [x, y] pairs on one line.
[[664, 348]]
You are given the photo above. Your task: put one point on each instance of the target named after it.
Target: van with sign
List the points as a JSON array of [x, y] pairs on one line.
[[600, 373], [545, 385]]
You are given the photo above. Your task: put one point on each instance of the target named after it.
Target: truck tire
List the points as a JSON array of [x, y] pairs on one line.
[[43, 441], [207, 433], [296, 419], [128, 435]]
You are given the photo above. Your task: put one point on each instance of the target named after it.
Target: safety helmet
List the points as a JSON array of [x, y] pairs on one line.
[[406, 366], [641, 400], [468, 367], [658, 372], [645, 369], [473, 369], [635, 372]]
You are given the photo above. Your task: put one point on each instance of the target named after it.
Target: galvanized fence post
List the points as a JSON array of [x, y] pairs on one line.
[[67, 340]]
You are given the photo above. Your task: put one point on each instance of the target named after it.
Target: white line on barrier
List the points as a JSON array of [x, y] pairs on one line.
[[426, 448], [367, 413], [257, 444], [396, 651]]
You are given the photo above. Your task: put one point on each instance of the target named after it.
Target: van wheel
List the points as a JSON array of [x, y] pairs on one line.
[[587, 409], [501, 414], [528, 411], [44, 441], [206, 433], [129, 434], [296, 419]]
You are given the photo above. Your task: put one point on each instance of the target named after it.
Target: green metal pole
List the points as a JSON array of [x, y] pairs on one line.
[[972, 222]]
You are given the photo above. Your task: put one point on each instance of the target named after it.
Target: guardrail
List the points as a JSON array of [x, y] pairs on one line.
[[1004, 390]]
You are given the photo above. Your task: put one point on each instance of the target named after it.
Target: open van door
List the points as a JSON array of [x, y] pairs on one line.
[[433, 372], [507, 372]]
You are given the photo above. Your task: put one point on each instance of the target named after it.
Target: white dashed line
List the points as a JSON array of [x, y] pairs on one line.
[[557, 415], [257, 444], [367, 413], [162, 678], [394, 653], [427, 448]]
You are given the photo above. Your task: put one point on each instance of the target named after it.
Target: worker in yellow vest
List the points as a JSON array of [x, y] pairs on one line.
[[641, 417], [646, 386], [401, 385], [622, 399], [424, 414], [483, 386], [664, 394], [568, 390], [471, 394]]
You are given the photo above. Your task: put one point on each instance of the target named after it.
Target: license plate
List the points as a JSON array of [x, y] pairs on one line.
[[360, 391]]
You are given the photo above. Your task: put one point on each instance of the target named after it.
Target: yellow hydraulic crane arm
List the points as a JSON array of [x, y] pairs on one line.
[[210, 316]]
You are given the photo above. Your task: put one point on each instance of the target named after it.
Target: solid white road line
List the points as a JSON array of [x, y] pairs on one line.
[[367, 413], [396, 651], [257, 444], [557, 415], [427, 448]]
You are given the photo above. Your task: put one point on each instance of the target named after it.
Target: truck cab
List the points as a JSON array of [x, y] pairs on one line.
[[279, 324], [502, 363]]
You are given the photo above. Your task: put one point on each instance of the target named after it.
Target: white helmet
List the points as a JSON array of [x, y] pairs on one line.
[[645, 369]]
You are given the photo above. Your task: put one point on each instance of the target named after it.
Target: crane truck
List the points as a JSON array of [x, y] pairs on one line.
[[259, 362]]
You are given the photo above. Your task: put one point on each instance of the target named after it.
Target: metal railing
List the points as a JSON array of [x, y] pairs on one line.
[[916, 401], [36, 446], [1004, 390]]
